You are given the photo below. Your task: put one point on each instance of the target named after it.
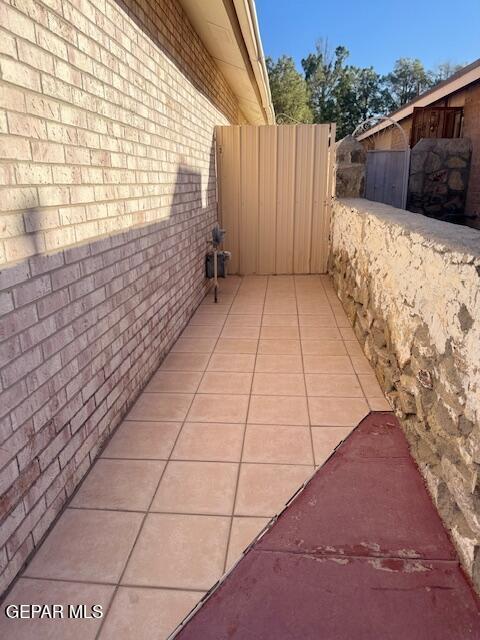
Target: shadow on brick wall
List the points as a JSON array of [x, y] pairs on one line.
[[83, 329]]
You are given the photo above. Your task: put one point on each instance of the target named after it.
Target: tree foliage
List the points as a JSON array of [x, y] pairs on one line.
[[289, 90], [330, 90], [407, 81]]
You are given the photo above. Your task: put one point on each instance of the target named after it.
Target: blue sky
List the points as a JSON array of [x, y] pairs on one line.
[[376, 33]]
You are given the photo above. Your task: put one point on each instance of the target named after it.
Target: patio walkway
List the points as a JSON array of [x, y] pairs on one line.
[[360, 553], [257, 391]]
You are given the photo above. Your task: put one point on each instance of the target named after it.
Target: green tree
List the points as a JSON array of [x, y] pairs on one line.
[[359, 95], [324, 72], [289, 89], [444, 70], [407, 80], [342, 93]]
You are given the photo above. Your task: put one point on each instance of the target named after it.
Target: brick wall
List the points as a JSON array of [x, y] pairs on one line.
[[471, 129], [108, 196]]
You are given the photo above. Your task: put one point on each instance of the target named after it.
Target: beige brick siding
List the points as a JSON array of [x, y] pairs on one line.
[[107, 199]]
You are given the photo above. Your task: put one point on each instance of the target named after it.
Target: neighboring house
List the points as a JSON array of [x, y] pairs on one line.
[[108, 197], [449, 110]]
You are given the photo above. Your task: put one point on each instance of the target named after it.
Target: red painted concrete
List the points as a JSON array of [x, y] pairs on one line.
[[277, 596], [335, 567]]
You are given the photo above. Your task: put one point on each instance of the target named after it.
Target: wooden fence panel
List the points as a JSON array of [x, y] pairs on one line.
[[275, 187]]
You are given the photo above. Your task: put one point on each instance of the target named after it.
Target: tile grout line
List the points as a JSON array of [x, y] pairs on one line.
[[142, 524], [305, 383], [244, 433]]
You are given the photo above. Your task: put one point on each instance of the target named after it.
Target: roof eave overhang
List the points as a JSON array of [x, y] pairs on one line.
[[229, 31]]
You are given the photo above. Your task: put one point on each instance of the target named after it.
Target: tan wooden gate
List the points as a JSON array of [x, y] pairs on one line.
[[275, 185]]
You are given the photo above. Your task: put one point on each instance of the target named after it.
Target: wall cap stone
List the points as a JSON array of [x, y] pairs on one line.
[[448, 236]]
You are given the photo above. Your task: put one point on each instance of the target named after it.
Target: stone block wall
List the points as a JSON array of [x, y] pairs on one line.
[[411, 288], [439, 174], [351, 157], [107, 115]]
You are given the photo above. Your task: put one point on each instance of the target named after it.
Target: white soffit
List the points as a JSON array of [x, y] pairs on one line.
[[212, 23]]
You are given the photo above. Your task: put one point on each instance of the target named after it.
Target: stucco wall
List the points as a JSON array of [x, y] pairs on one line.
[[411, 288], [107, 199]]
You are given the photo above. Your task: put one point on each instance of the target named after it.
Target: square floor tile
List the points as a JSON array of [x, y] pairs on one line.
[[144, 613], [225, 299], [207, 317], [209, 441], [46, 592], [201, 331], [281, 384], [143, 440], [325, 439], [86, 545], [281, 307], [348, 333], [119, 484], [320, 333], [288, 410], [218, 408], [219, 382], [179, 551], [185, 362], [197, 487], [236, 345], [246, 308], [279, 346], [161, 406], [280, 320], [247, 332], [279, 364], [194, 345], [279, 333], [342, 321], [353, 347], [277, 444], [323, 348], [244, 531], [379, 404], [337, 412], [326, 320], [333, 384], [314, 308], [361, 364], [263, 489], [327, 364], [232, 362], [220, 307], [174, 382], [244, 320], [370, 385]]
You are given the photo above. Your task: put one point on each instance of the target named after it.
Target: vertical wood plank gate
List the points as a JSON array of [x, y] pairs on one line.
[[275, 186]]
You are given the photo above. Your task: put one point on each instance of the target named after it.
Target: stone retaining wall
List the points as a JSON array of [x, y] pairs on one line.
[[439, 171], [411, 288]]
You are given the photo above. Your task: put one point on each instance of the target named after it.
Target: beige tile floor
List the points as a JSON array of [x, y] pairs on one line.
[[256, 392]]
